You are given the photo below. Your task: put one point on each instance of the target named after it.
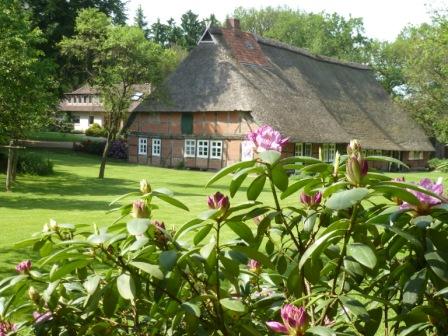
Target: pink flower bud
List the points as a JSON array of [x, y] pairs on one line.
[[254, 266], [24, 266], [139, 209], [42, 317], [6, 328], [311, 201], [218, 201], [295, 321], [266, 138]]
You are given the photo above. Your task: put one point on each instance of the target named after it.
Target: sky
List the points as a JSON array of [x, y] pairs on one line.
[[383, 19]]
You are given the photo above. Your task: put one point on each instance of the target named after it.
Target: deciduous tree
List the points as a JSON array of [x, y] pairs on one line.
[[116, 58], [26, 82]]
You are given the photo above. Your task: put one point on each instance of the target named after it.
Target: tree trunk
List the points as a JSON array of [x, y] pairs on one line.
[[10, 168], [14, 162], [104, 157]]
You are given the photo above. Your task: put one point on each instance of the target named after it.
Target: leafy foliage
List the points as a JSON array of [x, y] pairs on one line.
[[351, 258], [321, 33]]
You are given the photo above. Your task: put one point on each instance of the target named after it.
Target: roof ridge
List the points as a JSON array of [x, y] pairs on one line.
[[305, 52]]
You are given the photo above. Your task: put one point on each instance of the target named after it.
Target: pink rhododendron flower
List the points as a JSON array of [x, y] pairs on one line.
[[218, 201], [6, 328], [42, 317], [266, 138], [254, 266], [311, 201], [24, 266], [426, 201], [295, 321]]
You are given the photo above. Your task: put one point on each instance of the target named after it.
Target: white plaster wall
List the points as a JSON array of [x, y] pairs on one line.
[[83, 124]]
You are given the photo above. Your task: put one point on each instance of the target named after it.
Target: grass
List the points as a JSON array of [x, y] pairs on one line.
[[75, 195], [59, 136]]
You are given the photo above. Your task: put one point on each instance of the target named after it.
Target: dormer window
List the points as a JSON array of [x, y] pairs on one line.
[[136, 96], [207, 38]]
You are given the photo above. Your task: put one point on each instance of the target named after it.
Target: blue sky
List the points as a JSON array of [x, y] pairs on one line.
[[383, 19]]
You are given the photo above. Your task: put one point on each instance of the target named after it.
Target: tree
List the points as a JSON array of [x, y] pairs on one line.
[[56, 19], [140, 21], [321, 33], [26, 82], [115, 58], [192, 29]]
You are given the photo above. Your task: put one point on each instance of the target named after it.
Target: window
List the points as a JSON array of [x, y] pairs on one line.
[[415, 155], [216, 149], [187, 123], [202, 150], [303, 149], [298, 149], [76, 119], [328, 152], [190, 148], [156, 144], [91, 120], [142, 146], [85, 99], [90, 99]]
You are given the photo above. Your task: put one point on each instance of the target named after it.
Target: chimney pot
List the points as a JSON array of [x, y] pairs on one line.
[[233, 23]]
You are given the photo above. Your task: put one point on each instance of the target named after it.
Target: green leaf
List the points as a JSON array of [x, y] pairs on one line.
[[400, 193], [208, 214], [256, 187], [167, 260], [270, 156], [304, 159], [202, 233], [242, 230], [334, 187], [362, 254], [414, 288], [170, 200], [317, 167], [235, 184], [254, 254], [320, 331], [187, 226], [346, 199], [59, 272], [191, 308], [151, 269], [355, 307], [234, 305], [438, 264], [415, 328], [230, 169], [411, 186], [206, 250], [296, 187], [280, 178], [319, 245], [386, 159], [134, 193], [353, 267], [110, 300], [126, 286], [91, 284], [138, 226]]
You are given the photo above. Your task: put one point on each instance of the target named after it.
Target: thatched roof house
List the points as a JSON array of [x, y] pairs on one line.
[[309, 98]]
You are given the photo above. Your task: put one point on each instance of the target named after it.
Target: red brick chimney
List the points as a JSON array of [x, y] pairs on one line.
[[233, 24]]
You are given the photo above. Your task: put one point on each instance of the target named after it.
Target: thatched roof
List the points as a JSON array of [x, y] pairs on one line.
[[308, 98]]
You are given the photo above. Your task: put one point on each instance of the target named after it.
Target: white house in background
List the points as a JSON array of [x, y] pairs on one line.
[[85, 107]]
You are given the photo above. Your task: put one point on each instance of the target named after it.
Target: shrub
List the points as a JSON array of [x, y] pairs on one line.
[[61, 122], [28, 163], [34, 164], [352, 250], [438, 164], [118, 148], [96, 130]]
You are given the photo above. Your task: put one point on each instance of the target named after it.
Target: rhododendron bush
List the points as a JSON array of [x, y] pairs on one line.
[[338, 249]]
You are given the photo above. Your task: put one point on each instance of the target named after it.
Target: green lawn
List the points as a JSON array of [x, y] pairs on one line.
[[75, 195], [59, 136]]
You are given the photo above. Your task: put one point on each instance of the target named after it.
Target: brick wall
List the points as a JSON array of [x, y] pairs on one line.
[[228, 127]]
